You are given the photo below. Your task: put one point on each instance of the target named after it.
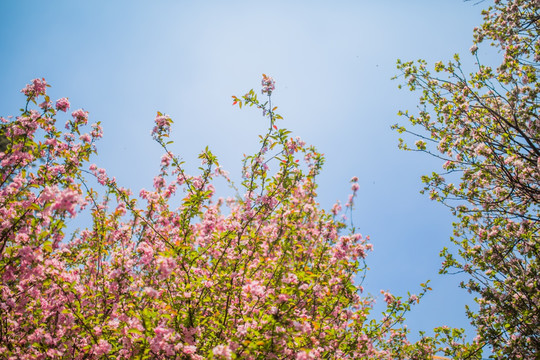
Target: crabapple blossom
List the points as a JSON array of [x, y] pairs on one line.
[[36, 88], [222, 352], [268, 84], [264, 274], [62, 104], [80, 115]]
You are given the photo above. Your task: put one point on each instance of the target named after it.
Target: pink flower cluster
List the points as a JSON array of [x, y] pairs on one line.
[[222, 352], [80, 116], [36, 88], [264, 275], [62, 104], [163, 126], [388, 298], [268, 84]]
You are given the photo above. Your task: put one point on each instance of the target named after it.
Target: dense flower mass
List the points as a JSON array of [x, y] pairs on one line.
[[264, 274]]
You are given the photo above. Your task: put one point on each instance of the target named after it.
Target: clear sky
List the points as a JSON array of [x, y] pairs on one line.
[[332, 61]]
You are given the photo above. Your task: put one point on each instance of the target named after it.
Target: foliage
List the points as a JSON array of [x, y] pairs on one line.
[[486, 129]]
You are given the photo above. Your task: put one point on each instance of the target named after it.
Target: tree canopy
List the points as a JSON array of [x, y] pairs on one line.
[[485, 127]]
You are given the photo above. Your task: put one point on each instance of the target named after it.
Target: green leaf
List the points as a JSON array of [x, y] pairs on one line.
[[47, 246]]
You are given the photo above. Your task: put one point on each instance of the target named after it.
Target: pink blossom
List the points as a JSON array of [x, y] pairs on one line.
[[163, 126], [242, 329], [102, 347], [166, 266], [151, 292], [85, 138], [27, 254], [336, 208], [45, 105], [189, 349], [97, 132], [222, 352], [35, 89], [147, 252], [166, 160], [268, 84], [291, 279], [62, 104], [253, 288], [283, 297], [388, 298], [49, 193], [162, 120], [80, 115], [67, 200]]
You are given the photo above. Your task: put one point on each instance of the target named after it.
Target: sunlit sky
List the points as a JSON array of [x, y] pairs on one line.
[[332, 61]]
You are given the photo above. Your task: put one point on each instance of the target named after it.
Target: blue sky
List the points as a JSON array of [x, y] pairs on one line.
[[332, 61]]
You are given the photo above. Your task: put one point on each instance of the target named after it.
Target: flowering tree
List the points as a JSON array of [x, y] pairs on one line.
[[486, 129], [266, 274]]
